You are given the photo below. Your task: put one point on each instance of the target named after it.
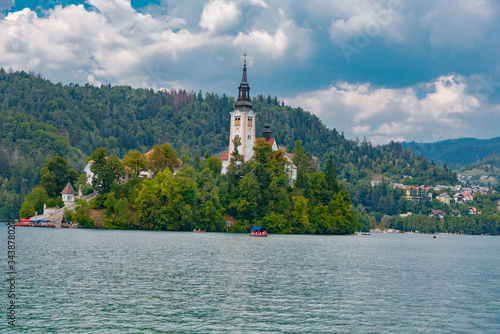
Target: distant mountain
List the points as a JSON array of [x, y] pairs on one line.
[[456, 153], [489, 166]]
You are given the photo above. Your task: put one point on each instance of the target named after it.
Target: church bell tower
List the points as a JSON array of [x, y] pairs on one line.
[[243, 119]]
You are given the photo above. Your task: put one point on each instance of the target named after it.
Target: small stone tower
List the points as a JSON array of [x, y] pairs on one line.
[[68, 195]]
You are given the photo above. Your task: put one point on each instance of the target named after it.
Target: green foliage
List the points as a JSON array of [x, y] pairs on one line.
[[82, 214], [277, 223], [165, 203], [106, 170], [56, 173], [87, 189], [162, 157], [27, 210], [37, 197], [265, 196], [135, 160], [214, 164], [55, 202], [467, 224], [300, 215]]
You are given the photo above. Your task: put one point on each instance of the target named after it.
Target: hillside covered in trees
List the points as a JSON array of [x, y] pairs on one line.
[[456, 153], [40, 119]]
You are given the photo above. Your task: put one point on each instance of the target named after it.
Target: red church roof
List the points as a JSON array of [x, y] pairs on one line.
[[225, 156]]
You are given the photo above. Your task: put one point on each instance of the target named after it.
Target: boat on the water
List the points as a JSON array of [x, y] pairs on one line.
[[24, 222], [258, 232], [198, 230], [44, 223]]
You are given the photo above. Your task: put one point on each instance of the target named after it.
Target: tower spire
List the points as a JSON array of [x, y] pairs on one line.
[[244, 89]]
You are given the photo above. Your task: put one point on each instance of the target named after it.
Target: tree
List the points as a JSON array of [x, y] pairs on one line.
[[162, 157], [302, 160], [27, 210], [236, 164], [135, 160], [82, 214], [214, 164], [300, 216], [106, 170], [56, 173], [37, 198], [166, 203], [331, 175], [300, 157], [246, 203]]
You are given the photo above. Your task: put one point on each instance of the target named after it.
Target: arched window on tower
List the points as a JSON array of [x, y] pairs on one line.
[[250, 121], [237, 121]]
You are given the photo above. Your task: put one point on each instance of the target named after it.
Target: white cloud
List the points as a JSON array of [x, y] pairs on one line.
[[113, 42], [220, 15], [263, 42], [259, 3], [383, 114], [273, 46]]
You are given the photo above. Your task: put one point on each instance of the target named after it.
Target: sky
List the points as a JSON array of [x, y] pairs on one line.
[[405, 70]]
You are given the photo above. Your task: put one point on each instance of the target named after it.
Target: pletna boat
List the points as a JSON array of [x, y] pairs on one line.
[[23, 222], [258, 232]]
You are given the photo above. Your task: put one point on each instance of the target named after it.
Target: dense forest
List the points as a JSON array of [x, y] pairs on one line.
[[40, 119]]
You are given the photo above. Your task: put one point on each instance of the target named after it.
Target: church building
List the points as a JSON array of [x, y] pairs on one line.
[[243, 124]]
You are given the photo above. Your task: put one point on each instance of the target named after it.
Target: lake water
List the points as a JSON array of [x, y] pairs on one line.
[[98, 281]]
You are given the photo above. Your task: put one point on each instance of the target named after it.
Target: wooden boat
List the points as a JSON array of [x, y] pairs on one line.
[[258, 232], [198, 230], [23, 222]]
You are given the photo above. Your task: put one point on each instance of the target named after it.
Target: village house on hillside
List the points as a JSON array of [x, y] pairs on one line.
[[473, 211], [444, 198], [463, 198], [417, 193], [436, 213]]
